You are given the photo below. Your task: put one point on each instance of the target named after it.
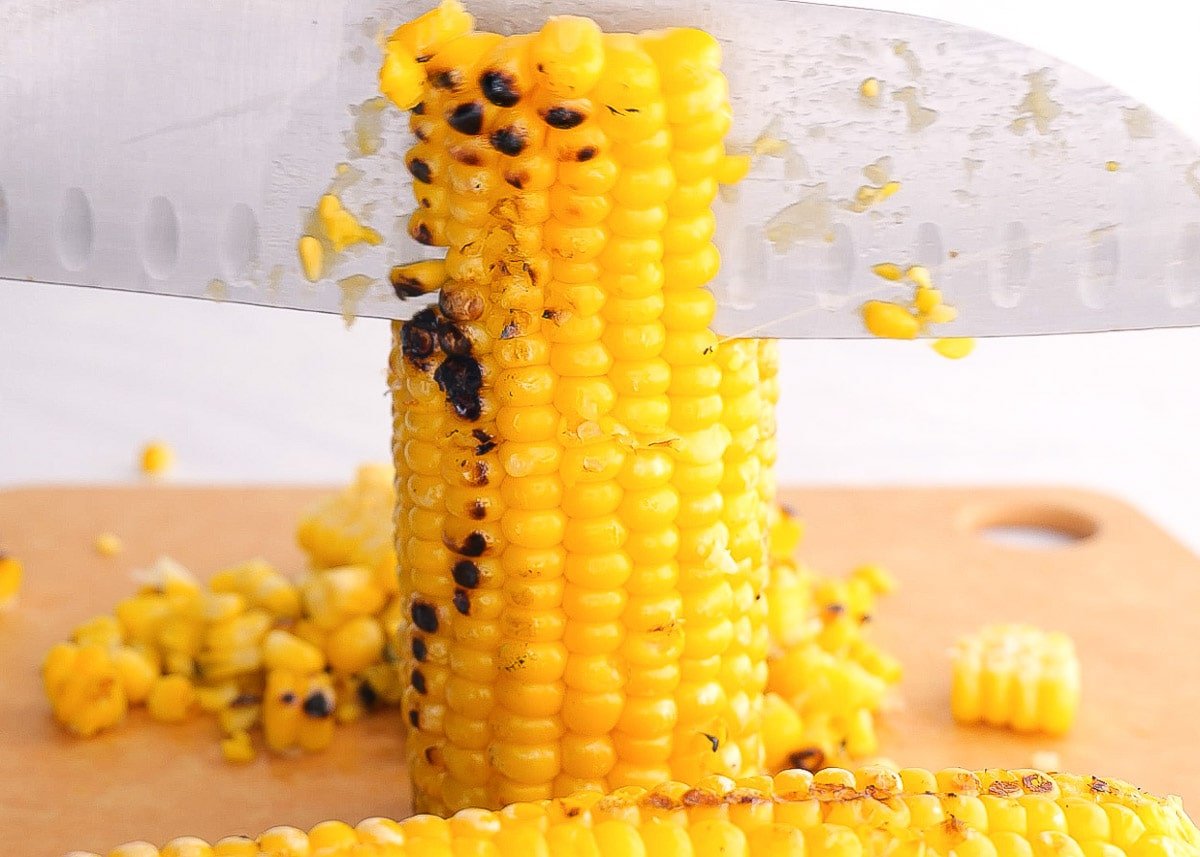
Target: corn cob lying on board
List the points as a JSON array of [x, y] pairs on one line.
[[836, 813]]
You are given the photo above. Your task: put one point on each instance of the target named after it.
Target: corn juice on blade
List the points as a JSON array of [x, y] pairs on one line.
[[187, 153]]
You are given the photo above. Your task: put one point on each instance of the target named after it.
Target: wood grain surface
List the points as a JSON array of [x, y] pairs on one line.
[[1127, 593]]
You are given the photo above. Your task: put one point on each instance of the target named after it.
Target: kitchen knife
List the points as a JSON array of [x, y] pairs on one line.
[[180, 149]]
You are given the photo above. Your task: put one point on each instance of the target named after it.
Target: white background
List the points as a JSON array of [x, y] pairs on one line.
[[252, 395]]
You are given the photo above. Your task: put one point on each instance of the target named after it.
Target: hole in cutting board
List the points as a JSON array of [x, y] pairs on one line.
[[1032, 527]]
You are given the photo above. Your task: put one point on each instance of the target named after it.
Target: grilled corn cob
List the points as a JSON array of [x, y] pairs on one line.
[[1016, 676], [836, 813], [581, 497]]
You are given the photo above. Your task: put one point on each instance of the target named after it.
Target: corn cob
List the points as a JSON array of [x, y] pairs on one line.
[[581, 512], [1017, 676], [836, 813]]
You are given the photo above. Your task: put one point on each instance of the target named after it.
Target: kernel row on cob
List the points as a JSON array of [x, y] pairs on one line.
[[836, 813], [145, 653]]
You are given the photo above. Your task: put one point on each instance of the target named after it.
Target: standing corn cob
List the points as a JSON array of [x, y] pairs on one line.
[[581, 500], [836, 813]]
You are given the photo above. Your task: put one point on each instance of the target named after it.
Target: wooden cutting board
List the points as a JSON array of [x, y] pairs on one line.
[[1126, 592]]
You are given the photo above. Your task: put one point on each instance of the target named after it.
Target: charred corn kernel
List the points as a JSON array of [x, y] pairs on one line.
[[317, 704], [109, 544], [156, 458], [836, 814], [238, 748], [171, 698], [954, 348], [418, 278], [1016, 676], [11, 572]]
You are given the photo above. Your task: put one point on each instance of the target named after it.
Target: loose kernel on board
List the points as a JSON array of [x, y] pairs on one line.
[[157, 458], [11, 572], [869, 88], [109, 544]]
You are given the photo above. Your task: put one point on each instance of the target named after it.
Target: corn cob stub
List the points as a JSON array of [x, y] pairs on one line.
[[581, 492], [1016, 676], [836, 813]]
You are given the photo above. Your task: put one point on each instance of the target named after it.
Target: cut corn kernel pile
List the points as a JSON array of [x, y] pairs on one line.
[[253, 648], [1016, 676], [149, 645], [836, 813]]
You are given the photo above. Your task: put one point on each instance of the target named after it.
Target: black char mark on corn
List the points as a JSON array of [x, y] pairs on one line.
[[563, 118], [461, 379], [499, 88], [419, 338], [466, 118]]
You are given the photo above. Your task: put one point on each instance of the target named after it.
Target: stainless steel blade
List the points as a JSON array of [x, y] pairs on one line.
[[181, 149]]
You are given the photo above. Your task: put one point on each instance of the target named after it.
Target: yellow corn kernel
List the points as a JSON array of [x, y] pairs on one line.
[[312, 257], [137, 673], [954, 348], [101, 630], [11, 573], [356, 645], [285, 651], [156, 458], [84, 687], [281, 710], [890, 321], [889, 271], [186, 846], [238, 748], [109, 544], [170, 698], [869, 88]]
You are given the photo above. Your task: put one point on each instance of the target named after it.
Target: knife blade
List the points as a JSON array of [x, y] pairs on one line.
[[183, 153]]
